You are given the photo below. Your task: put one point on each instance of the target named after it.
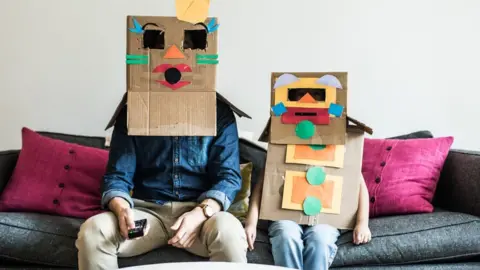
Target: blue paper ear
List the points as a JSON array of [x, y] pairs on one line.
[[330, 80], [212, 26], [137, 27]]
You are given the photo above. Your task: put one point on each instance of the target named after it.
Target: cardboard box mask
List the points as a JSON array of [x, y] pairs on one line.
[[313, 168], [171, 77], [308, 108]]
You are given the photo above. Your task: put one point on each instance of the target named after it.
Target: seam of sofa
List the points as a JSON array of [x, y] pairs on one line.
[[415, 262], [416, 231], [34, 262], [34, 230]]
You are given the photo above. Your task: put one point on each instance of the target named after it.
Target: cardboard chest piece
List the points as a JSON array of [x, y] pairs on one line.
[[313, 168], [171, 68]]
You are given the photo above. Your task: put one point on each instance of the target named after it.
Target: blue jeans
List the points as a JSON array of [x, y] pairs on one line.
[[303, 247]]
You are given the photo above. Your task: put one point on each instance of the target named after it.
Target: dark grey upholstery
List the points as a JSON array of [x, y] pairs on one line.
[[445, 239]]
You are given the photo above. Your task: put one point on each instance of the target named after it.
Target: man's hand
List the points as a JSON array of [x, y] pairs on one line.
[[251, 233], [121, 208], [187, 227], [361, 233]]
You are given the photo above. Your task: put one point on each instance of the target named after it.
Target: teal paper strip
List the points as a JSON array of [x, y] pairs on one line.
[[207, 56], [207, 62], [134, 56], [137, 62]]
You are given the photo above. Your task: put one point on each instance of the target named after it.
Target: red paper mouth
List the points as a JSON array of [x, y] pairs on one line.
[[164, 67], [316, 116], [174, 86]]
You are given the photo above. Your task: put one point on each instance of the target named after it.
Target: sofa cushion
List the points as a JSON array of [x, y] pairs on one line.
[[432, 237], [55, 177], [459, 185], [401, 175], [38, 238], [50, 240]]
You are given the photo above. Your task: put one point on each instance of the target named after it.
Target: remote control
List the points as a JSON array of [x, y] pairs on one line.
[[139, 229]]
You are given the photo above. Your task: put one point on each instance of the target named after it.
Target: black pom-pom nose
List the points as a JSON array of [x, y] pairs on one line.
[[172, 75]]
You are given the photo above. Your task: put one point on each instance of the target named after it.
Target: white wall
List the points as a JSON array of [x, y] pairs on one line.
[[413, 64]]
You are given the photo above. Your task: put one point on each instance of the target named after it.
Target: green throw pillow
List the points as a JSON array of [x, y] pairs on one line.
[[239, 207]]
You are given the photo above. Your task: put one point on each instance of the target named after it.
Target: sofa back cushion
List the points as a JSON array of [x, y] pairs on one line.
[[402, 175], [459, 185], [55, 177]]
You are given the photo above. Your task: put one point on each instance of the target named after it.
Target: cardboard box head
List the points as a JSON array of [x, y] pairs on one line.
[[308, 108], [171, 77]]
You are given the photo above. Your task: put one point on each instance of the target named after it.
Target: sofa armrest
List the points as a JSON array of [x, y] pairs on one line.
[[459, 186], [8, 159]]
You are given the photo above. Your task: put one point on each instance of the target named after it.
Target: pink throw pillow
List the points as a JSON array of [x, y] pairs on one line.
[[55, 177], [402, 175]]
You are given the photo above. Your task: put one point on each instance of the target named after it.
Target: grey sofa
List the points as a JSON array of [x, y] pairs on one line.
[[449, 238]]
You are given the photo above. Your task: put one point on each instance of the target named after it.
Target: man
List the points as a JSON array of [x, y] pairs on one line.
[[181, 185]]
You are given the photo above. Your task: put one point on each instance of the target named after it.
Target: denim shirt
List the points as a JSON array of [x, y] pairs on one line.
[[162, 168]]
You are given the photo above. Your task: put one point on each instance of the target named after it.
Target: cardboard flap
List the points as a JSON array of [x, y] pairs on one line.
[[234, 108], [358, 126], [123, 103], [120, 106], [264, 137]]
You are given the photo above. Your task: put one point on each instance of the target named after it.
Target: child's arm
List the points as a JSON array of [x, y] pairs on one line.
[[362, 233], [253, 212]]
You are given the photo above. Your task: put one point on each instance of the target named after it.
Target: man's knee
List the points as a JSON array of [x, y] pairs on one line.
[[97, 230], [226, 228]]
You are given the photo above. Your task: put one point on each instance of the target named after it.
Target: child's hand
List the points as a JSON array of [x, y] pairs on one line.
[[361, 234], [251, 233]]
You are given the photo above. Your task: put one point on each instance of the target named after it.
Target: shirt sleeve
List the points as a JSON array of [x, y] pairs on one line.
[[224, 160], [118, 178]]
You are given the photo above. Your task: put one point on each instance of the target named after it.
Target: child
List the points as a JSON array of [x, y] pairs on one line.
[[305, 247]]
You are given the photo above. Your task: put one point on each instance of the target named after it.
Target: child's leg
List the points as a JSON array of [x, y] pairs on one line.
[[287, 244], [320, 248]]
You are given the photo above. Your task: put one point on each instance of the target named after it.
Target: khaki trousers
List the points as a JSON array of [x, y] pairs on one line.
[[99, 243]]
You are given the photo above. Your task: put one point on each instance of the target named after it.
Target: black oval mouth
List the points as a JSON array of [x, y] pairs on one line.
[[173, 75]]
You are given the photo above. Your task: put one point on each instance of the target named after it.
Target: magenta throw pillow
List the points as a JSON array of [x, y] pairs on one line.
[[55, 177], [402, 175]]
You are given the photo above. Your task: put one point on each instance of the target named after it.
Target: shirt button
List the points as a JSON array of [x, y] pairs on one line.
[[56, 201], [377, 180], [177, 193], [389, 148], [372, 199], [383, 164], [61, 185], [67, 167], [176, 176], [176, 160]]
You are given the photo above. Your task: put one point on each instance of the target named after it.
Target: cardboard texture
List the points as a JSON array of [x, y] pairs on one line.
[[274, 180], [309, 128], [171, 74]]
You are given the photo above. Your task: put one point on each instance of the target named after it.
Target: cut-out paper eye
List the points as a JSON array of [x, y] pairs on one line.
[[308, 95], [195, 39], [153, 38]]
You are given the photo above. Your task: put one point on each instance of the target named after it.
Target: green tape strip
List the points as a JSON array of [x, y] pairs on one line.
[[207, 62], [137, 62], [207, 56], [136, 56]]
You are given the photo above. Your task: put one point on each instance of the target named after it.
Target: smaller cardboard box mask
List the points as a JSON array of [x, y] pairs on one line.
[[308, 108], [171, 77]]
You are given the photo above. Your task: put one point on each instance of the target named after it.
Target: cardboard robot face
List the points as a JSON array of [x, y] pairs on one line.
[[308, 108], [171, 76]]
